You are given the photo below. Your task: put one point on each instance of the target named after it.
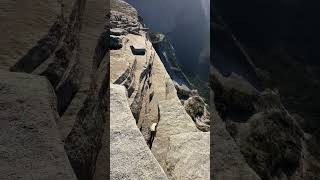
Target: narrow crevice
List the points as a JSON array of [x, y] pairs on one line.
[[42, 50], [84, 141]]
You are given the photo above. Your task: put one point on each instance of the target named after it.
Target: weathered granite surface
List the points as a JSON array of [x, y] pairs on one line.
[[31, 147], [130, 156]]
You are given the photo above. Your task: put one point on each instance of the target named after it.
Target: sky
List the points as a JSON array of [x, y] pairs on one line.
[[187, 25]]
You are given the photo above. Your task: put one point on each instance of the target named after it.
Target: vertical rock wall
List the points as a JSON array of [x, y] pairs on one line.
[[154, 103], [64, 42]]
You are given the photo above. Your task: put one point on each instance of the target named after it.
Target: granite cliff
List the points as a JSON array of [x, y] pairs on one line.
[[262, 75], [166, 132], [84, 83], [54, 88]]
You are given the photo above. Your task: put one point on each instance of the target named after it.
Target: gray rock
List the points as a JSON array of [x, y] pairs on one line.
[[227, 161], [118, 32], [85, 139], [198, 110], [189, 156], [31, 147], [102, 166], [64, 72], [94, 20], [24, 49], [173, 120], [130, 156], [272, 143]]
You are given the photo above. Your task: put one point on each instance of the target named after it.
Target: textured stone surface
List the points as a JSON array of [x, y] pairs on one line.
[[272, 143], [29, 21], [152, 98], [70, 53], [31, 147], [84, 142], [227, 162], [144, 76], [198, 111], [115, 42], [173, 120], [130, 156], [117, 31], [264, 133], [92, 27], [189, 156]]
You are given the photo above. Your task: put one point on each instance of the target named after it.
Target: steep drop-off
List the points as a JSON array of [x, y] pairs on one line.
[[155, 108], [262, 77]]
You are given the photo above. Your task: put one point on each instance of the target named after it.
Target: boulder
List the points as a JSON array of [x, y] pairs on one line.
[[198, 110], [85, 139], [272, 143], [31, 147]]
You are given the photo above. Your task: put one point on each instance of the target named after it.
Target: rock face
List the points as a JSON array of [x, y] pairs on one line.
[[265, 134], [199, 112], [252, 118], [68, 46], [272, 143], [130, 156], [278, 55], [193, 102], [155, 106], [31, 147], [188, 156], [31, 21], [84, 142], [167, 55], [56, 107], [227, 162], [173, 120]]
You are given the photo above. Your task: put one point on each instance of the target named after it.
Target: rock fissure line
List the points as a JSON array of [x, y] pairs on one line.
[[65, 81], [159, 114]]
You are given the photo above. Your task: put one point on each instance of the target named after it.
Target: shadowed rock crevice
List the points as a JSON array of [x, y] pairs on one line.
[[84, 141], [264, 130], [42, 50], [61, 71], [128, 78], [64, 72], [267, 135], [60, 48]]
